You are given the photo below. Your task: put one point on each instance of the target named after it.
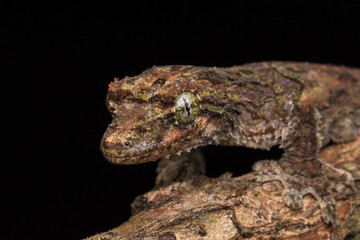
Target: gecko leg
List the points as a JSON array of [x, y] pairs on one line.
[[179, 166], [307, 177]]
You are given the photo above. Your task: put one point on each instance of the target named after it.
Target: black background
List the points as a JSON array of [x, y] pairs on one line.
[[60, 58]]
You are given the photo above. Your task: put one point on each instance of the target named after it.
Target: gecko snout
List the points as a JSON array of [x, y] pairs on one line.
[[118, 144]]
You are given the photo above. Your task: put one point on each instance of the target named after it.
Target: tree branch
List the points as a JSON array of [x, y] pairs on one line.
[[241, 208]]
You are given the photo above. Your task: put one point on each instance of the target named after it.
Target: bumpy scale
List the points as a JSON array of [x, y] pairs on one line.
[[300, 107]]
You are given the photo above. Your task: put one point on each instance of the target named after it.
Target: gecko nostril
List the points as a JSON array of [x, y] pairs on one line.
[[127, 143]]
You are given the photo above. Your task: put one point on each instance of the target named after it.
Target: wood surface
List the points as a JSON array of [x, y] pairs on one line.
[[241, 208]]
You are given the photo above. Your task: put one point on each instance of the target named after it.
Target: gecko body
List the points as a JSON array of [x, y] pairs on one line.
[[170, 110], [299, 106]]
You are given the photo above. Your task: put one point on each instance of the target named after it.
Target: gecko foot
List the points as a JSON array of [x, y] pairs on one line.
[[179, 166], [269, 170], [308, 177]]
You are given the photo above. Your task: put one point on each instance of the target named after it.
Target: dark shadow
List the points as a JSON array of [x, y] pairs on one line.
[[237, 160]]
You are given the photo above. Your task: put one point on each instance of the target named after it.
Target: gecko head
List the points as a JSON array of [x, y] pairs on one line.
[[155, 114]]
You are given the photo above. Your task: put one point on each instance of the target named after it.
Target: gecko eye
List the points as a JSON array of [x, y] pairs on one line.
[[186, 107]]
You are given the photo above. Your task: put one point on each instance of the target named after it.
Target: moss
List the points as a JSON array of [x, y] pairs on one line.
[[220, 95]]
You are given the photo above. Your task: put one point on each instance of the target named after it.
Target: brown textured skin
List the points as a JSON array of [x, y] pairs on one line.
[[299, 106]]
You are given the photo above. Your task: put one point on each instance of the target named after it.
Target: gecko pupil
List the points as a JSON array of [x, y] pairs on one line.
[[186, 107]]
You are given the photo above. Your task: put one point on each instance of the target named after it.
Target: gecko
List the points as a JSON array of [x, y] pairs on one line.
[[168, 112]]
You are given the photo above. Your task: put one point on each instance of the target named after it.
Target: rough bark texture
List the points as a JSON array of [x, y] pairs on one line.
[[241, 208]]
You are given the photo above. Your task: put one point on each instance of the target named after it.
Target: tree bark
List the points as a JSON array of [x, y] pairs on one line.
[[240, 208]]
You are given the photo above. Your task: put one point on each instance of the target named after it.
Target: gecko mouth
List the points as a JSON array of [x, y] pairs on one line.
[[113, 156], [127, 153]]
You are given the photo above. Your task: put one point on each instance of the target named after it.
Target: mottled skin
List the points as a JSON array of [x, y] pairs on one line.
[[299, 106]]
